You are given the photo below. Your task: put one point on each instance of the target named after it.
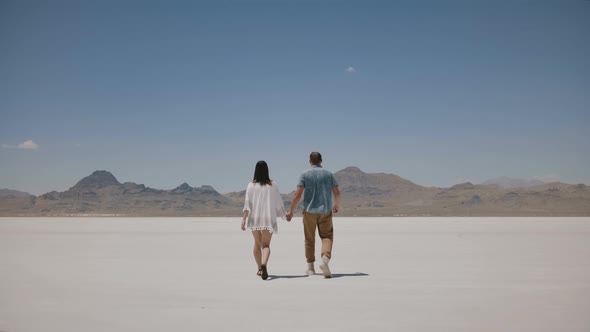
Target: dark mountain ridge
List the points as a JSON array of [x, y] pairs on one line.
[[363, 194], [96, 180], [102, 194], [507, 182], [10, 193]]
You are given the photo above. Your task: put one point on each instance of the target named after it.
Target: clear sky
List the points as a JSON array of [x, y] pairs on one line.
[[165, 92]]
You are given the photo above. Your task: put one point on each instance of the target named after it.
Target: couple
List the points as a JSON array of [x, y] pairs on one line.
[[263, 204]]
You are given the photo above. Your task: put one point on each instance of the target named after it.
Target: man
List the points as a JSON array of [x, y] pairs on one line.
[[317, 186]]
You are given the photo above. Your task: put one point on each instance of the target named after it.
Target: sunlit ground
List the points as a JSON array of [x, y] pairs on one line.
[[390, 274]]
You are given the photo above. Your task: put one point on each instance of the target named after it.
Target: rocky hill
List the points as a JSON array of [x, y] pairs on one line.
[[8, 193], [506, 182], [102, 194], [12, 201], [363, 194], [364, 191]]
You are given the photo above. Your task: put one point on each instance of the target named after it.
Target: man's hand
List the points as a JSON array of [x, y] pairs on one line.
[[335, 208], [294, 202]]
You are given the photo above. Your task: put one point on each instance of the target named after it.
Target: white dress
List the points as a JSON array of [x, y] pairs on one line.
[[264, 204]]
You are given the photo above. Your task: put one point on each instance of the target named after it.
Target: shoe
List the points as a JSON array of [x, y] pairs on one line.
[[310, 269], [264, 272], [325, 268]]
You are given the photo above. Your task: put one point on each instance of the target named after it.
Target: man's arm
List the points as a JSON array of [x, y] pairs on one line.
[[336, 206], [294, 202]]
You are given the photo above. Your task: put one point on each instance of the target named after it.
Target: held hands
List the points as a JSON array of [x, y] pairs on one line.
[[289, 216]]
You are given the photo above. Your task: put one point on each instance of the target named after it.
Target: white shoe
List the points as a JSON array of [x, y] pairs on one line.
[[325, 268], [310, 269]]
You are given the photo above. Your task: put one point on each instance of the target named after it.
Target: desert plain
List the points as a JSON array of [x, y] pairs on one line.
[[390, 274]]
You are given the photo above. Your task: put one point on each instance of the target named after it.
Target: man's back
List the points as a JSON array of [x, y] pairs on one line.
[[318, 184]]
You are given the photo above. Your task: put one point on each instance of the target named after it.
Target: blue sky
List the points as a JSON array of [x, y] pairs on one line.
[[165, 92]]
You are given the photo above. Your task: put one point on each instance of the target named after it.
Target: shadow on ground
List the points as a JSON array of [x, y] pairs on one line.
[[356, 274], [273, 277], [334, 275]]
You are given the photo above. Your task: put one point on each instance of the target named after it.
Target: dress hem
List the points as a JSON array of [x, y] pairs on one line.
[[263, 228]]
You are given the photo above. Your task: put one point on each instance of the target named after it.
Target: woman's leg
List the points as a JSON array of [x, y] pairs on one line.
[[265, 241], [257, 248], [266, 236]]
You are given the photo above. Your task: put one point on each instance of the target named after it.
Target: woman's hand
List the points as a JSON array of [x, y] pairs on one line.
[[243, 224]]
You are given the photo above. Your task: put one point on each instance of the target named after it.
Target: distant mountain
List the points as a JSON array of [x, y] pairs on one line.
[[9, 193], [184, 188], [101, 193], [506, 182], [96, 180], [364, 191], [363, 194], [359, 183], [380, 194], [14, 202]]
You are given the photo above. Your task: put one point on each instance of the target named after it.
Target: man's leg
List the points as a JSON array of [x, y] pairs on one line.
[[326, 231], [309, 226]]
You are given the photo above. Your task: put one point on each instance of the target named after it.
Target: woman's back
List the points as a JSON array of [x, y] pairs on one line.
[[264, 204]]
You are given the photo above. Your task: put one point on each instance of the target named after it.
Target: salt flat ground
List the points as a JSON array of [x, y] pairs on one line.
[[390, 274]]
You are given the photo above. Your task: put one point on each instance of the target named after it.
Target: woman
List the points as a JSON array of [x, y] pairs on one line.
[[262, 206]]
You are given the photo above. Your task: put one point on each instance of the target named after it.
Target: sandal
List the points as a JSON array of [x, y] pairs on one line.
[[259, 273], [264, 273]]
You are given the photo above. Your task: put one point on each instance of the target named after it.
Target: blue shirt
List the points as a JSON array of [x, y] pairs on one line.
[[318, 184]]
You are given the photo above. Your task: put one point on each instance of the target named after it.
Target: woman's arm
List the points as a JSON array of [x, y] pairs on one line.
[[244, 218], [246, 210]]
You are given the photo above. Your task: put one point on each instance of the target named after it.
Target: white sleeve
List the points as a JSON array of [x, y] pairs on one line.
[[247, 205]]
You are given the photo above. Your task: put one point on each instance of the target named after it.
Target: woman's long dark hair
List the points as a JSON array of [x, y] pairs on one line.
[[261, 174]]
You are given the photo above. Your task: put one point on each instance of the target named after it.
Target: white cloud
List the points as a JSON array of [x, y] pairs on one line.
[[28, 145], [350, 69]]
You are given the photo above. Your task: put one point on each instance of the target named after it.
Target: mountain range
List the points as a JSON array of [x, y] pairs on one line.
[[507, 182], [363, 194]]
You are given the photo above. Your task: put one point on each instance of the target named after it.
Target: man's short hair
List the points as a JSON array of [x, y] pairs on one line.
[[315, 158]]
